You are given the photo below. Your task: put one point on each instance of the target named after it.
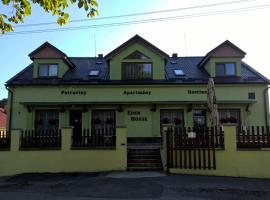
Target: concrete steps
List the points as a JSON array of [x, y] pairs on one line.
[[144, 155]]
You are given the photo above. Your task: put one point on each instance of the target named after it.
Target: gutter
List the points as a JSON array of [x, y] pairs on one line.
[[10, 109], [265, 105]]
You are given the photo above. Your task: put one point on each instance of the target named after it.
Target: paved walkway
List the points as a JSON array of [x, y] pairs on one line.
[[132, 186]]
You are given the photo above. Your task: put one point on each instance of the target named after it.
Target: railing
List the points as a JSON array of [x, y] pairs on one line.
[[198, 137], [43, 139], [4, 140], [103, 138], [253, 137], [193, 148]]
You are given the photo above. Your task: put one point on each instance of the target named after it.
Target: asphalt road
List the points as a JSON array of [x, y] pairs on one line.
[[127, 185]]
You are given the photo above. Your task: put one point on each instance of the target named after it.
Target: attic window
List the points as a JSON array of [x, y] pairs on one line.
[[94, 73], [179, 72], [137, 55], [48, 70], [173, 62], [99, 62]]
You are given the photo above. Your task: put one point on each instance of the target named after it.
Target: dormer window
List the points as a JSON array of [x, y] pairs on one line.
[[48, 70], [137, 55], [225, 69]]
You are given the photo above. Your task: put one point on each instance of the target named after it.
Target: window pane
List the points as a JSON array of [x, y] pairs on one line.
[[43, 70], [229, 116], [230, 69], [103, 119], [172, 117], [136, 71], [220, 69], [47, 120], [53, 70]]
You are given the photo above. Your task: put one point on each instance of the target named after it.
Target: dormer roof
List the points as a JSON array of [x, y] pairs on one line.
[[133, 40], [225, 49], [47, 50]]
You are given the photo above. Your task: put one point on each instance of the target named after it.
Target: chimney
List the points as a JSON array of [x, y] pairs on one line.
[[174, 55], [100, 55]]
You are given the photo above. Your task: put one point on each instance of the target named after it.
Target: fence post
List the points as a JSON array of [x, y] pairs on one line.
[[230, 138], [15, 139], [66, 133], [164, 147]]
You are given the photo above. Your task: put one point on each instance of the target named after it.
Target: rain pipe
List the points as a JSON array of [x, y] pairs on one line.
[[265, 106], [10, 109]]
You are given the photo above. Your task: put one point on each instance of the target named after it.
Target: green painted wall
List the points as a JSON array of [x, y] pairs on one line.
[[63, 67], [233, 162], [210, 65], [209, 68], [64, 160], [108, 97], [157, 62]]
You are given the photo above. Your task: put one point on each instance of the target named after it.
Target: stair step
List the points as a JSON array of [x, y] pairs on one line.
[[143, 160], [144, 140], [145, 168], [143, 156], [144, 151], [144, 165]]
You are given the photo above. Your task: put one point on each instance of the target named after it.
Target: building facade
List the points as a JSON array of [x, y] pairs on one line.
[[136, 85]]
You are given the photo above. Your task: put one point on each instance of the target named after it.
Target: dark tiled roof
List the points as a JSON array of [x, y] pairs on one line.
[[193, 74]]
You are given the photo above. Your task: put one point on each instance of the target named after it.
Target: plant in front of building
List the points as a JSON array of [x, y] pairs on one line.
[[166, 120], [177, 120], [97, 120], [233, 120], [109, 121]]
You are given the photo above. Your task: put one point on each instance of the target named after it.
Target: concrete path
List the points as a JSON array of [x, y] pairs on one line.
[[130, 185]]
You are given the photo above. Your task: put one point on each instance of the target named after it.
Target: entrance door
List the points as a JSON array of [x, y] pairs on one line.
[[75, 120]]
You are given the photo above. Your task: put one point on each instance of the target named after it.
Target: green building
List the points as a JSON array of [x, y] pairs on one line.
[[136, 85]]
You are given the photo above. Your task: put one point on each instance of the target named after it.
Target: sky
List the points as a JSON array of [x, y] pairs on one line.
[[195, 28]]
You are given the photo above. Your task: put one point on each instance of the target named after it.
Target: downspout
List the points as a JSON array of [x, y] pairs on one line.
[[265, 106], [10, 109]]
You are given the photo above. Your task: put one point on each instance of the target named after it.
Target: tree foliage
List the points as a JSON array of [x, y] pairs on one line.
[[17, 10]]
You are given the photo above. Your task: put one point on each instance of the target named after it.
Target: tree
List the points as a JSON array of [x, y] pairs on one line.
[[22, 8]]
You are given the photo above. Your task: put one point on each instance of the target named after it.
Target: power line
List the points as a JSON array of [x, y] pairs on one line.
[[142, 21], [138, 14]]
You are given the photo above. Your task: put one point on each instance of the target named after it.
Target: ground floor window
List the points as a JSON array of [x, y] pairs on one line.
[[103, 119], [199, 118], [46, 120], [229, 116], [175, 117]]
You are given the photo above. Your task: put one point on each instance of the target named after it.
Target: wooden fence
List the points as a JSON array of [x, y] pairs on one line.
[[193, 148], [253, 137], [102, 138], [44, 139], [4, 140]]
